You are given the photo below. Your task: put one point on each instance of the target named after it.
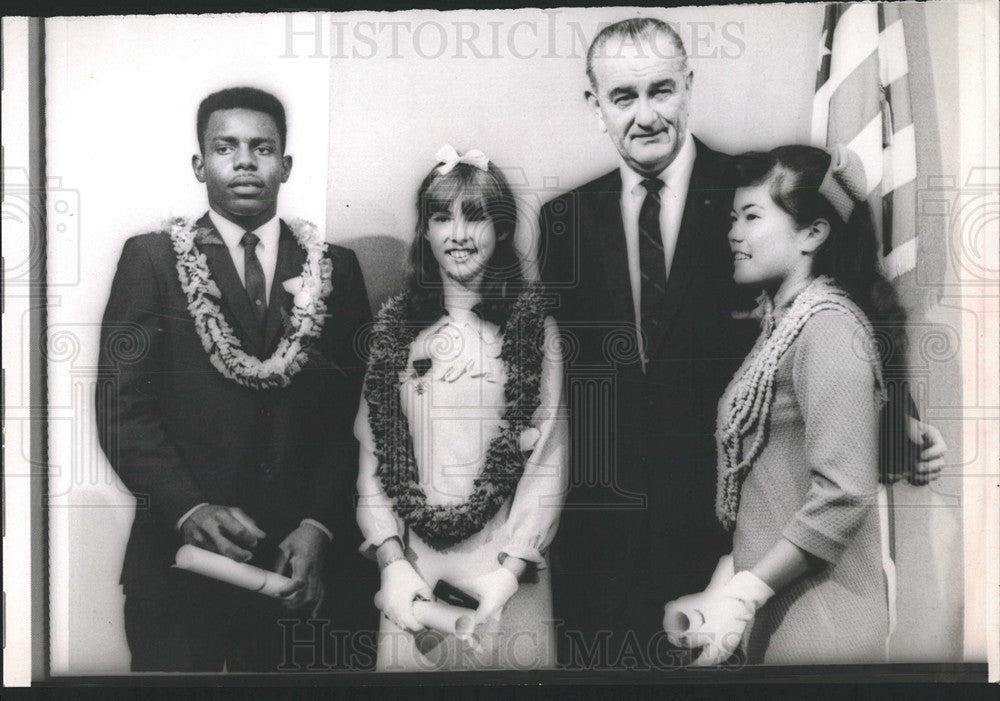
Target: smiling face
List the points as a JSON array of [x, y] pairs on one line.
[[242, 165], [768, 247], [462, 240], [641, 99]]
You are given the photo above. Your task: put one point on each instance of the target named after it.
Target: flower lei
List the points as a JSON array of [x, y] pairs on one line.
[[746, 405], [217, 338], [521, 352]]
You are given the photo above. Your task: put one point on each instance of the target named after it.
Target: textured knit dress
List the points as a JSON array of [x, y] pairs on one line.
[[815, 483], [454, 410]]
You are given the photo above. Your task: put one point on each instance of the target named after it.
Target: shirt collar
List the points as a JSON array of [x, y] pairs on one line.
[[232, 233], [675, 176]]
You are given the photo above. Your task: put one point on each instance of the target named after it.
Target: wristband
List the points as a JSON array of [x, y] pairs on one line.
[[386, 560]]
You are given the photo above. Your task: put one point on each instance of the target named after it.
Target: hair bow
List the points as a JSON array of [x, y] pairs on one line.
[[844, 183], [449, 158]]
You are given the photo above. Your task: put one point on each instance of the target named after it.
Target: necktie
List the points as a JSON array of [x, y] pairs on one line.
[[253, 275], [652, 265]]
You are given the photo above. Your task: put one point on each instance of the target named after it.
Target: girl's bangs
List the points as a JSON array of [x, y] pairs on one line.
[[475, 188]]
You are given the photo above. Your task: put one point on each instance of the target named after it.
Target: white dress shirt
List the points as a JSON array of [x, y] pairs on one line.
[[267, 248], [676, 178]]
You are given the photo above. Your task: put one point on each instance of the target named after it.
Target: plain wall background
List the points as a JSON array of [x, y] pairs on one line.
[[122, 94]]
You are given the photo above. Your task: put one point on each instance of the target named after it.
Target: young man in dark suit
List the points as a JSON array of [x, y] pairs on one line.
[[254, 460], [639, 261]]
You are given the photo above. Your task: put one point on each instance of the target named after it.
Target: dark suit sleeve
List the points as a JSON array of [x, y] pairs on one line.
[[332, 502], [552, 264], [898, 455], [129, 422]]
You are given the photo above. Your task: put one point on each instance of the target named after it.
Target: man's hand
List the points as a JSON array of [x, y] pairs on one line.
[[222, 529], [932, 451], [303, 550]]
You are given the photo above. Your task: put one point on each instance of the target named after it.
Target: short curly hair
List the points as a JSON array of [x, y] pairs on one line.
[[241, 98]]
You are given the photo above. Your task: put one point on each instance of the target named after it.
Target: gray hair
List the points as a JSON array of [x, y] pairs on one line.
[[635, 28]]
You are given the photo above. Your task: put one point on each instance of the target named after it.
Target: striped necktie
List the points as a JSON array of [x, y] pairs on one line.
[[253, 275], [652, 265]]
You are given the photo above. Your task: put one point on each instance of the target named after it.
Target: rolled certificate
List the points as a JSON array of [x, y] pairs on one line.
[[682, 617], [444, 618], [221, 568]]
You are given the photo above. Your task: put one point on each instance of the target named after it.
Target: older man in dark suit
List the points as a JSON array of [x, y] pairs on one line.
[[233, 426], [643, 273]]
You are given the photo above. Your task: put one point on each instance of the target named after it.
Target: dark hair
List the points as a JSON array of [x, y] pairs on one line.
[[850, 253], [480, 192], [241, 98], [635, 28]]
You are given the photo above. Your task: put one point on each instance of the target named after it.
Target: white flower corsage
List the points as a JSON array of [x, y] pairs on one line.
[[296, 287]]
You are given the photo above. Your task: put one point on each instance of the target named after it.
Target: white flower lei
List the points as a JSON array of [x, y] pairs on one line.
[[217, 338], [745, 407]]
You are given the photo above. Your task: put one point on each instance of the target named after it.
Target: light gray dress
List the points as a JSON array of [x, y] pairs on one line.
[[815, 483]]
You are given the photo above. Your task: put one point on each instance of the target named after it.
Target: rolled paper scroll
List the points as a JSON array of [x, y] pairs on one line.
[[682, 617], [444, 618], [221, 568]]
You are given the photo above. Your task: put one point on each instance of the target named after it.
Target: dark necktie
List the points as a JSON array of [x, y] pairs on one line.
[[652, 265], [253, 275]]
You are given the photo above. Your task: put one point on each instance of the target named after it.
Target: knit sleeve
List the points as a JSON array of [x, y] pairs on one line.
[[834, 384]]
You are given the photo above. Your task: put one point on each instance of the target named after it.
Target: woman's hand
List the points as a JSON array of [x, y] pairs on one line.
[[726, 613], [493, 590], [677, 614], [401, 585]]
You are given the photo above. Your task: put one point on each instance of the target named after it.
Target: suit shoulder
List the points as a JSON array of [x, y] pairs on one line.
[[601, 184], [341, 256], [149, 239], [155, 244], [707, 152]]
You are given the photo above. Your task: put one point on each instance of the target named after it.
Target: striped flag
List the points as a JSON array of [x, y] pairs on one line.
[[862, 101]]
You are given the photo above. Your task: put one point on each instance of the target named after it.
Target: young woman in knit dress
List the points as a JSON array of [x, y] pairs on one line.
[[463, 441], [798, 426]]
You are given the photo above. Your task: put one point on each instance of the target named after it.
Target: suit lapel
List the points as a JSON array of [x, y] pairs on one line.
[[703, 200], [607, 218], [234, 294], [291, 257]]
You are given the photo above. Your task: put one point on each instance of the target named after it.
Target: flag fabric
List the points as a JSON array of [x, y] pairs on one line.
[[862, 101]]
